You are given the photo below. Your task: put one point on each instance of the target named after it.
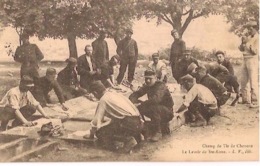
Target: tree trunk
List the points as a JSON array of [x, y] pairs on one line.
[[72, 45]]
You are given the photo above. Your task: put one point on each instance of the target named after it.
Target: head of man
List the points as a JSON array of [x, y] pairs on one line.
[[220, 55], [155, 58], [72, 62], [97, 89], [192, 69], [26, 83], [114, 60], [175, 34], [187, 54], [129, 33], [252, 28], [102, 34], [150, 77], [25, 38], [51, 74], [88, 50], [187, 82]]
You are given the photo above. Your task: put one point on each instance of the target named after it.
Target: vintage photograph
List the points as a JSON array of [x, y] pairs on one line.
[[129, 80]]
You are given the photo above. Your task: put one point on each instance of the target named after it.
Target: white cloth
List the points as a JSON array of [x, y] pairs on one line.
[[89, 62], [17, 99], [203, 94]]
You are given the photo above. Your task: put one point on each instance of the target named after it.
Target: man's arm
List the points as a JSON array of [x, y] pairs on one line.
[[58, 92], [107, 52], [139, 93], [230, 68], [163, 71], [136, 49], [39, 54], [17, 55], [119, 48]]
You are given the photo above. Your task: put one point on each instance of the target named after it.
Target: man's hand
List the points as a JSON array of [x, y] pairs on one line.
[[64, 107], [50, 105], [29, 124]]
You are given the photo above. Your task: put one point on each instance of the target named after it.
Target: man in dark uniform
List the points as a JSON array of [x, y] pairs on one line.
[[128, 51], [46, 84], [177, 49], [158, 107], [100, 49]]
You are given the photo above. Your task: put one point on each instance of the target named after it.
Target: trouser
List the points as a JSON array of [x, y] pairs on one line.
[[249, 80], [71, 92], [120, 130], [198, 110], [8, 113], [232, 82], [174, 71], [222, 99], [159, 115], [131, 63]]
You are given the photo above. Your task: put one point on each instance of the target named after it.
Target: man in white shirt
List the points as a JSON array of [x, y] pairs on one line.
[[19, 104], [124, 123], [200, 102], [159, 67]]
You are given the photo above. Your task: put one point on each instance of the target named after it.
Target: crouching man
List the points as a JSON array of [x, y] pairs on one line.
[[158, 107], [19, 104], [124, 123], [199, 100]]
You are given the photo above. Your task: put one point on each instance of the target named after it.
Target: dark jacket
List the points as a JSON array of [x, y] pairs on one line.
[[127, 48], [68, 77], [183, 65], [100, 52], [157, 94], [228, 65], [177, 49]]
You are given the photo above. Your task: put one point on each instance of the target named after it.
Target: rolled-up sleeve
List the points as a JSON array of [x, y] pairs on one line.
[[190, 96], [13, 101]]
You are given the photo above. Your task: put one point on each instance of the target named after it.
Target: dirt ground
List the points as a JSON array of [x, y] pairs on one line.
[[232, 136]]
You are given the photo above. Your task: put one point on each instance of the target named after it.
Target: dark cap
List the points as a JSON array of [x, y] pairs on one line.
[[186, 79], [51, 71], [219, 52], [129, 31], [71, 60], [155, 55], [26, 81], [149, 73], [97, 86], [187, 52]]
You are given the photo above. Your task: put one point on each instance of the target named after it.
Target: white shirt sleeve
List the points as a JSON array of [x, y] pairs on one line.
[[190, 96]]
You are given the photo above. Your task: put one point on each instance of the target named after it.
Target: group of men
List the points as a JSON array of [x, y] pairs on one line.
[[208, 87]]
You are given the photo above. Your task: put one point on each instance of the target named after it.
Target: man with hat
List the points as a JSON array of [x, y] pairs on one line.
[[29, 55], [46, 84], [128, 51], [158, 107], [123, 123], [183, 64], [200, 102], [159, 67], [68, 80], [249, 80], [177, 49], [19, 104], [100, 49]]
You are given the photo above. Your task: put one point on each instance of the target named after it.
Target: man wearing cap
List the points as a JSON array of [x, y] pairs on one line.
[[249, 80], [29, 55], [177, 49], [68, 80], [86, 68], [183, 64], [159, 67], [128, 51], [123, 123], [100, 49], [46, 84], [19, 104], [200, 102], [158, 107]]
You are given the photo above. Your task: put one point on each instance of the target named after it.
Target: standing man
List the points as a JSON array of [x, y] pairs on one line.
[[158, 67], [29, 55], [100, 49], [87, 68], [249, 81], [158, 107], [177, 49], [128, 51]]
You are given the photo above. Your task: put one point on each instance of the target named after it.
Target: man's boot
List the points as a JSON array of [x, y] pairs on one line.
[[200, 121], [129, 144], [165, 128]]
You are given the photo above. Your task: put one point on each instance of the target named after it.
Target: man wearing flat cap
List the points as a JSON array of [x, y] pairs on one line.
[[158, 107], [249, 81], [68, 80], [46, 84], [159, 67], [177, 49], [200, 102], [19, 104], [128, 51], [100, 49]]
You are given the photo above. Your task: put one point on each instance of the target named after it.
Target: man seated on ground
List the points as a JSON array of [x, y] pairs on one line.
[[159, 67], [200, 102], [184, 62], [68, 80], [158, 107], [46, 84], [107, 72], [124, 123], [214, 85], [19, 104]]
